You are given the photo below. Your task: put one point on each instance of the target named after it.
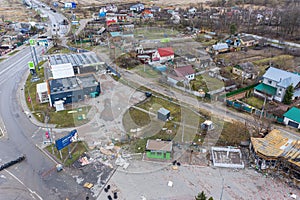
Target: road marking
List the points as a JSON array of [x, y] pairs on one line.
[[31, 191], [2, 128], [35, 132]]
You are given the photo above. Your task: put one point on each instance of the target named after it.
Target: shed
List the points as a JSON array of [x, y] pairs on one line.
[[159, 149], [42, 92], [207, 125], [59, 105], [163, 114]]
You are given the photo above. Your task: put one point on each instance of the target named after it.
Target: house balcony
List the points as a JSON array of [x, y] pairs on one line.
[[264, 90]]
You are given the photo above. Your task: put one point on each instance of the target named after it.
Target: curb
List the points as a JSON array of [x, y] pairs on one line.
[[44, 152]]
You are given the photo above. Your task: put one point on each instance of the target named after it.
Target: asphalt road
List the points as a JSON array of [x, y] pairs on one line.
[[36, 177]]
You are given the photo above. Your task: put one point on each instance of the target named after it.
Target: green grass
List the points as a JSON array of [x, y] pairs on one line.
[[155, 33], [233, 133], [1, 59], [14, 52], [65, 119], [212, 83], [206, 83], [146, 71], [30, 91], [198, 84], [254, 101], [279, 58], [76, 148], [156, 103], [140, 118], [152, 128]]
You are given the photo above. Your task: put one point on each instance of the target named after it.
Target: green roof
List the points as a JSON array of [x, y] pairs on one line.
[[266, 89], [293, 114]]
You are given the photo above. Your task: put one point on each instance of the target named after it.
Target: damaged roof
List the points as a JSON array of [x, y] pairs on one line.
[[278, 144]]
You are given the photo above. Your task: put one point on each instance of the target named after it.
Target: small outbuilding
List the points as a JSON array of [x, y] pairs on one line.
[[42, 92], [207, 125], [163, 114], [158, 149]]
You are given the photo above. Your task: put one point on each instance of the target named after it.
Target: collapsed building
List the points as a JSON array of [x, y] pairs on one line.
[[279, 151]]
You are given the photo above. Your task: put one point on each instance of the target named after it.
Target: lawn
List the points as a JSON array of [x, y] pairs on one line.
[[154, 33], [152, 128], [206, 83], [254, 101], [134, 118], [232, 134], [76, 148], [154, 104], [146, 71], [276, 59]]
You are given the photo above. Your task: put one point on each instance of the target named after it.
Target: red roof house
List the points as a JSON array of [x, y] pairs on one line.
[[164, 52], [163, 55]]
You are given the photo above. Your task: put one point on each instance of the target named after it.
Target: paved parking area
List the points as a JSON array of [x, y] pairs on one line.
[[150, 180], [110, 107]]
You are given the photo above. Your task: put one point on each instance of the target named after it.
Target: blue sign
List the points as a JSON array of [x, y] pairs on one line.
[[66, 140], [73, 5]]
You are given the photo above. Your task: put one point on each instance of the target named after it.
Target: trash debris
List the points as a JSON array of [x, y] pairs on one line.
[[59, 167], [105, 151], [170, 184], [84, 161], [121, 162], [293, 196], [175, 168], [88, 185]]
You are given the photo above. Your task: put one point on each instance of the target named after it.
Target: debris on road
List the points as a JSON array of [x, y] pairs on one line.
[[88, 185]]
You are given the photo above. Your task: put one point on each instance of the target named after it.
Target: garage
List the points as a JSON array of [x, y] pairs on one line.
[[292, 117], [293, 124]]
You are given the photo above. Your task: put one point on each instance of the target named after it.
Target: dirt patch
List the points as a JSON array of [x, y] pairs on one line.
[[15, 10]]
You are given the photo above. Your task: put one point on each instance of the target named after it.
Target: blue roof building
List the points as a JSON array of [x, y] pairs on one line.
[[275, 82]]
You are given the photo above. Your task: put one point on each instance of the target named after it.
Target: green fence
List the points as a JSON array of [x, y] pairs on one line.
[[235, 92], [252, 110]]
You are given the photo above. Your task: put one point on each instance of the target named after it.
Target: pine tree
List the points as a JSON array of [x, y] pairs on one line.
[[287, 99], [201, 196]]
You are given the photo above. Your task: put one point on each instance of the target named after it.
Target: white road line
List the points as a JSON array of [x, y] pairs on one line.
[[31, 191], [35, 132], [2, 128]]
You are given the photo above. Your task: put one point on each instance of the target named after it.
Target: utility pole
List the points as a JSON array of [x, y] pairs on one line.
[[182, 136]]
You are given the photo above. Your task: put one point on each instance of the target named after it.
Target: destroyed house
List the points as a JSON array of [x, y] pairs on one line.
[[278, 151]]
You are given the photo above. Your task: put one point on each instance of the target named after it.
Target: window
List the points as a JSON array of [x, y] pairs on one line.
[[270, 82]]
